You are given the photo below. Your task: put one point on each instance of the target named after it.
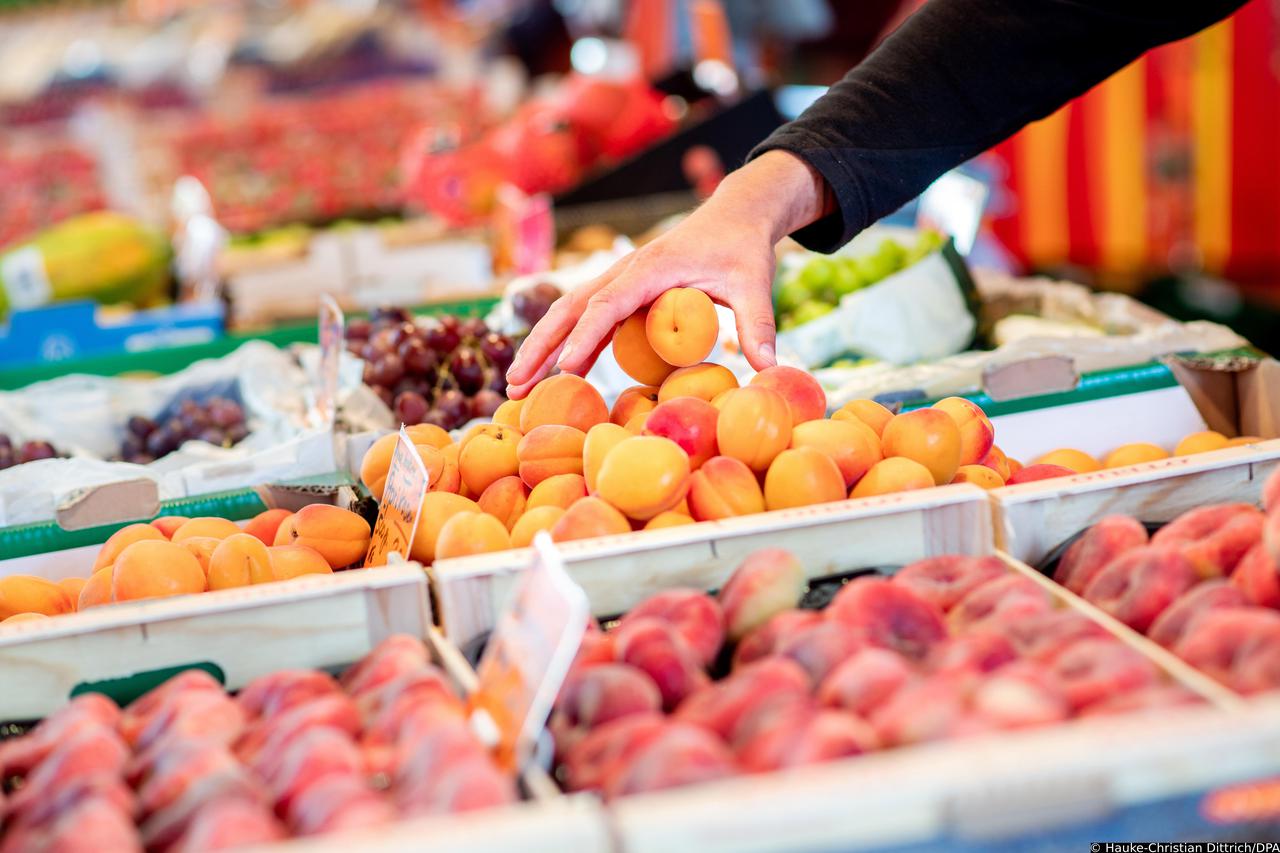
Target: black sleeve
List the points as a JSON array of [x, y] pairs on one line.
[[956, 78]]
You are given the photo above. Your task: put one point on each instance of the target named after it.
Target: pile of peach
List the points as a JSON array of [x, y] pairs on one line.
[[691, 446], [1206, 585], [173, 555], [187, 767], [948, 647], [1078, 462]]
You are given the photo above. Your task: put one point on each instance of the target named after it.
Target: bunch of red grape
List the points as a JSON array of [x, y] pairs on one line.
[[28, 451], [445, 372], [217, 420]]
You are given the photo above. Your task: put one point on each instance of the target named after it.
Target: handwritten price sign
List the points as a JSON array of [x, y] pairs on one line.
[[401, 504]]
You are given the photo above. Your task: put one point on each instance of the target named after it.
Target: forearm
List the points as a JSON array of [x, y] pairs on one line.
[[774, 195]]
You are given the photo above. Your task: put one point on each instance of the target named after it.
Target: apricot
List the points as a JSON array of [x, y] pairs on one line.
[[338, 535], [1067, 457], [437, 508], [265, 524], [980, 475], [681, 326], [643, 476], [217, 528], [23, 617], [31, 594], [73, 587], [430, 435], [563, 400], [754, 426], [977, 435], [541, 518], [670, 518], [601, 438], [927, 436], [634, 354], [895, 474], [802, 476], [636, 400], [998, 462], [489, 455], [690, 423], [561, 490], [468, 533], [291, 561], [508, 413], [505, 499], [1244, 441], [1014, 466], [548, 450], [635, 426], [1031, 473], [123, 538], [150, 569], [703, 381], [1200, 442], [202, 547], [97, 590], [588, 518], [805, 397], [722, 488], [718, 400], [377, 461], [1133, 454], [851, 444], [286, 532], [167, 524], [239, 561], [450, 476], [869, 412]]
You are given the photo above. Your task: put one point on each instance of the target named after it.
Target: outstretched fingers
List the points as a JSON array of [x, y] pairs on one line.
[[606, 308]]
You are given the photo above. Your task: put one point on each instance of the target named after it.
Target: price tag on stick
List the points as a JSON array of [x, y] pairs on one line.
[[332, 329], [401, 504], [528, 656]]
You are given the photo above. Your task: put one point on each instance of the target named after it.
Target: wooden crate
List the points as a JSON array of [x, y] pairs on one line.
[[1034, 518], [617, 572]]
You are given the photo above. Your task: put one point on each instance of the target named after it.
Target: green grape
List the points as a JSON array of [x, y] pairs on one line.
[[810, 310], [817, 274], [848, 278], [875, 267], [930, 241], [791, 294]]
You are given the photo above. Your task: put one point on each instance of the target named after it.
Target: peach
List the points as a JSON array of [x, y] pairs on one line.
[[656, 648], [675, 755], [1258, 577], [528, 525], [763, 640], [1171, 625], [1091, 670], [805, 397], [1099, 545], [979, 475], [896, 474], [1133, 454], [1200, 442], [889, 616], [1271, 492], [1041, 636], [588, 518], [865, 680], [73, 587], [923, 709], [723, 487], [505, 499], [977, 435], [1201, 522], [943, 581], [819, 648], [927, 436], [722, 706], [1144, 699], [998, 462], [1018, 696], [754, 427], [563, 400], [203, 547], [608, 746], [806, 736], [690, 423], [469, 533], [1218, 554], [802, 476], [695, 615], [1221, 641], [600, 439], [704, 381], [561, 490], [681, 326], [868, 412], [265, 524], [669, 518], [975, 652], [239, 560], [643, 476], [1031, 473], [168, 524], [508, 413], [217, 528], [31, 594], [123, 538], [437, 508], [1067, 457], [149, 569], [488, 456], [636, 400], [766, 583], [597, 695], [635, 355], [548, 450], [97, 591], [338, 535], [291, 561], [997, 602], [1137, 586], [851, 444]]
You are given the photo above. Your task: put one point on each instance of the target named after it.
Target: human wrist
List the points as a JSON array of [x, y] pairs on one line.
[[775, 194]]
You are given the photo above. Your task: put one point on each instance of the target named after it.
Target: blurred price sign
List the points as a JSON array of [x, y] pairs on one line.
[[332, 324], [528, 656], [401, 504]]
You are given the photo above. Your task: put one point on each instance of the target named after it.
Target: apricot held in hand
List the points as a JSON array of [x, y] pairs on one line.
[[682, 326]]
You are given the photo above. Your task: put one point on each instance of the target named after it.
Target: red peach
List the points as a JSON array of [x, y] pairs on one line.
[[890, 616], [657, 649], [976, 432], [690, 423], [943, 581], [768, 582], [805, 397], [1100, 544], [865, 681]]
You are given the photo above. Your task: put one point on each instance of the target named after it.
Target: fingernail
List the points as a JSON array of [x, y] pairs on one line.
[[564, 355], [515, 362], [766, 353]]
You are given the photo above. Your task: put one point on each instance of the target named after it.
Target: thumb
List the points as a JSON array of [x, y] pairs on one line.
[[753, 311]]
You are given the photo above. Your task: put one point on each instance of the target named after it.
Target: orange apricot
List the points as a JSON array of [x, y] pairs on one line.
[[588, 518], [563, 400], [217, 528], [805, 397], [338, 535], [704, 381], [31, 594], [505, 499], [123, 538], [851, 444], [548, 450], [560, 490], [634, 354], [150, 569], [927, 436], [895, 474], [869, 412], [980, 475], [682, 326], [265, 524], [468, 533], [96, 591], [600, 439], [643, 476], [976, 432], [1200, 442], [527, 526], [754, 426], [239, 560], [1069, 457], [723, 487], [1131, 454], [488, 456], [291, 561], [802, 476], [633, 401], [437, 508]]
